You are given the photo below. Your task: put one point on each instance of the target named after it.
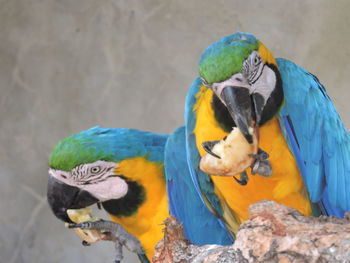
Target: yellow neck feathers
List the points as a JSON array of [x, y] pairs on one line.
[[146, 223], [285, 185]]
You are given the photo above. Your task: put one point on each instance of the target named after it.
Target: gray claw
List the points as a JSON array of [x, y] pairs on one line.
[[208, 146], [243, 178], [119, 252], [261, 155], [85, 243], [261, 165], [117, 234]]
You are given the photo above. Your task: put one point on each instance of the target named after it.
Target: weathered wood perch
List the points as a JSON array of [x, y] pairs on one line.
[[274, 233]]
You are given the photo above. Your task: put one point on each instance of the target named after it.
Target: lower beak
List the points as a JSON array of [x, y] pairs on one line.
[[62, 197], [238, 103], [259, 104]]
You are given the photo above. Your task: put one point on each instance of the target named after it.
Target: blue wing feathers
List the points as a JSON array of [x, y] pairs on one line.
[[200, 226], [322, 143]]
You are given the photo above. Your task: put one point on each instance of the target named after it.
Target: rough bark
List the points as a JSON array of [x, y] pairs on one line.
[[274, 233]]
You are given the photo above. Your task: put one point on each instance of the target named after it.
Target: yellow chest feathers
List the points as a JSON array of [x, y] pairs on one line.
[[284, 186], [147, 223]]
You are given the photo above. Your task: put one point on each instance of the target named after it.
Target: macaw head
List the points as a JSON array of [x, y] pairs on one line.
[[84, 169], [244, 75]]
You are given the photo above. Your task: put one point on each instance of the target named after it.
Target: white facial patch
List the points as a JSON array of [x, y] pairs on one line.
[[265, 84], [112, 188], [98, 178]]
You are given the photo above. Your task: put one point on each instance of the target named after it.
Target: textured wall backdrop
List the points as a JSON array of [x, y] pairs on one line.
[[67, 65]]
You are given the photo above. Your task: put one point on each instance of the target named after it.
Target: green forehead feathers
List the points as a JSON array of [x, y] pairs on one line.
[[75, 150], [107, 144], [224, 58]]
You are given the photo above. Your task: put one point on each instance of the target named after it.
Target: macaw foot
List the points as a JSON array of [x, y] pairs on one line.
[[115, 233], [261, 164], [243, 178], [208, 146]]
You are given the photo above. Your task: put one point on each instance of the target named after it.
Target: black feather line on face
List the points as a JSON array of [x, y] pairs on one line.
[[128, 204], [275, 100]]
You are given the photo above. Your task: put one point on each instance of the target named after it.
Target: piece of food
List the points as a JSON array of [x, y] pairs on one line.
[[234, 154], [80, 216]]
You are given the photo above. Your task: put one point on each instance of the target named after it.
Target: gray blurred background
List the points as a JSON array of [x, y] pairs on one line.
[[67, 65]]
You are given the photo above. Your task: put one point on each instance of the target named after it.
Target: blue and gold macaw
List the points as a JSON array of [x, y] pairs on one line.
[[242, 85], [123, 170]]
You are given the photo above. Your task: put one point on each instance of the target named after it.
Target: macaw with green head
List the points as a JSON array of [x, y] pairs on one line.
[[122, 169], [128, 172], [242, 85]]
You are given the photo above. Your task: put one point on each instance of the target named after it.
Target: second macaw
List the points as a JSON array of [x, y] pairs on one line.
[[309, 148], [123, 169]]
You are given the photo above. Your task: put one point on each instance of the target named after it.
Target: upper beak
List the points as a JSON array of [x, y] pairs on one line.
[[239, 104], [62, 197]]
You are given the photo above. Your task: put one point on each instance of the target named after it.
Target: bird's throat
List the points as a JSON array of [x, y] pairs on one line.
[[127, 205]]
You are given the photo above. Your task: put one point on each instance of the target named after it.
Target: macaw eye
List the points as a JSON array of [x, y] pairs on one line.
[[95, 169], [252, 67], [256, 61]]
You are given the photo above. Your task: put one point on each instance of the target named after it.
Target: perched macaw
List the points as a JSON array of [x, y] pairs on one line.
[[123, 169], [120, 168], [242, 85]]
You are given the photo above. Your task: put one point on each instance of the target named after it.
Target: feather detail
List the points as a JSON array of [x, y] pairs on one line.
[[108, 144], [184, 201], [203, 184], [317, 138]]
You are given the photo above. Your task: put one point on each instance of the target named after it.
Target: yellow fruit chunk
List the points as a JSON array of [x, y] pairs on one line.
[[234, 152], [80, 216]]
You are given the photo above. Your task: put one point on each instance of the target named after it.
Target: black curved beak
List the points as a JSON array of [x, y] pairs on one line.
[[62, 197], [239, 104]]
